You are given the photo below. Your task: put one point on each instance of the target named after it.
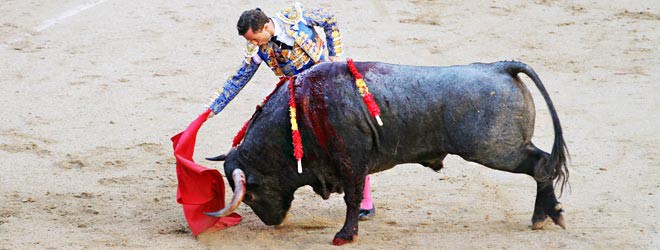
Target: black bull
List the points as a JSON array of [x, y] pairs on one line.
[[480, 112]]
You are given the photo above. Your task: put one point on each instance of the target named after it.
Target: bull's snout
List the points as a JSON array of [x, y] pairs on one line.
[[275, 219]]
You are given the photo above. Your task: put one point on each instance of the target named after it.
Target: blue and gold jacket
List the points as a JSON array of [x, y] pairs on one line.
[[308, 49]]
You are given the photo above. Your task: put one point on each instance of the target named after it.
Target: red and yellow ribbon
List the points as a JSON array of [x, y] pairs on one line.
[[368, 99], [295, 134]]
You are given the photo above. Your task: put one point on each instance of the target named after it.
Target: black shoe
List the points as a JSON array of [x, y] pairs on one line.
[[367, 214]]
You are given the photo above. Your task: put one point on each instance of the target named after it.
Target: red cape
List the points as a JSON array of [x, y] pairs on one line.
[[200, 189]]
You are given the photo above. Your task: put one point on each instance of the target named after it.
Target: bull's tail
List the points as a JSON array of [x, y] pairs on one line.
[[555, 168]]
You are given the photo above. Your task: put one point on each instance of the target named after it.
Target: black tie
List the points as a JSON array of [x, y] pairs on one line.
[[279, 44]]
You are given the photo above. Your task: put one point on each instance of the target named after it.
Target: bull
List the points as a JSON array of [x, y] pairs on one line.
[[481, 112]]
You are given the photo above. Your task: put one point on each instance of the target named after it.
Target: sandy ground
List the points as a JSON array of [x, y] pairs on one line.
[[93, 90]]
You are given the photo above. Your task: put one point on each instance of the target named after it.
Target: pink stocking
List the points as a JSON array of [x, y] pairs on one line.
[[367, 203]]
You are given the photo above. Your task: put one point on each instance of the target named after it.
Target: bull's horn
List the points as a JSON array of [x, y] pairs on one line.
[[239, 191], [221, 157]]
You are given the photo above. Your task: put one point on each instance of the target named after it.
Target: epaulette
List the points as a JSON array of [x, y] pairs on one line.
[[292, 14]]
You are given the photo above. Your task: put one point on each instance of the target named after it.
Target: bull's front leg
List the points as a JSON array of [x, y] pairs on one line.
[[353, 187]]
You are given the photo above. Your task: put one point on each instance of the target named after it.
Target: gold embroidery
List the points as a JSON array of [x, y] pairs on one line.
[[296, 57], [272, 61], [310, 46], [291, 15]]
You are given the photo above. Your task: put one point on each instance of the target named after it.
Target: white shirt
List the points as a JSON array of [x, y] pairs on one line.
[[281, 36]]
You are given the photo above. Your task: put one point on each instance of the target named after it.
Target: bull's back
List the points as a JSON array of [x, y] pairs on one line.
[[466, 110]]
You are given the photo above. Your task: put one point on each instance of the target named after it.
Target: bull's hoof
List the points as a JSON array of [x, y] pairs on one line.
[[560, 220], [538, 225], [337, 241], [557, 216]]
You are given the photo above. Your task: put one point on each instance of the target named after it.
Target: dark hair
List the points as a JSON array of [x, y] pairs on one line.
[[251, 19]]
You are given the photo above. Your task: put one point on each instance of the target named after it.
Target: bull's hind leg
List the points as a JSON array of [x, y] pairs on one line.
[[546, 204], [529, 160]]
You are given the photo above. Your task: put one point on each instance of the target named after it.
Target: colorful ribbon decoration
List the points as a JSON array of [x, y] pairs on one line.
[[368, 99], [239, 136], [295, 134]]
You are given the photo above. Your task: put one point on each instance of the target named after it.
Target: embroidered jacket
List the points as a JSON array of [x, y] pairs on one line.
[[307, 50]]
